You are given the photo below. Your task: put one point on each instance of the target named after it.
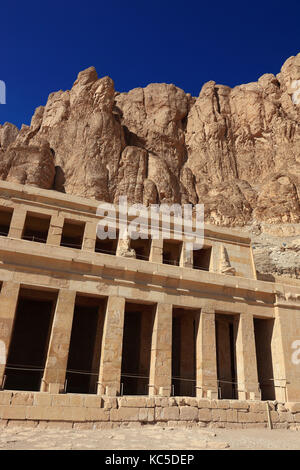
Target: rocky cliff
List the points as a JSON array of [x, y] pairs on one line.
[[236, 150]]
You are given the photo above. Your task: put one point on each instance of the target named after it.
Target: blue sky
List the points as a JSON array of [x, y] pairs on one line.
[[45, 44]]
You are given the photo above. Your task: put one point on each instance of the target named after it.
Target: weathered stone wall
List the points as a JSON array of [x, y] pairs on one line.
[[94, 411]]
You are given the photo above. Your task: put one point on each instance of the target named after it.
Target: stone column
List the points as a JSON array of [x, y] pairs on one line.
[[156, 252], [97, 350], [89, 237], [111, 351], [8, 306], [55, 230], [160, 378], [17, 222], [58, 351], [285, 353], [206, 356], [186, 258], [246, 364]]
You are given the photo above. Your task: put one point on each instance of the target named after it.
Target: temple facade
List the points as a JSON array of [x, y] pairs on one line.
[[148, 320]]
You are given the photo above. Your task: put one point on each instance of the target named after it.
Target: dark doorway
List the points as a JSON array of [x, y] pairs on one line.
[[201, 259], [263, 330], [72, 234], [107, 246], [5, 220], [85, 345], [136, 353], [141, 247], [172, 252], [226, 361], [30, 340], [36, 228], [184, 326]]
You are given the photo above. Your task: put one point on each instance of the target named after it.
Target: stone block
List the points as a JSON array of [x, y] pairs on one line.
[[219, 415], [297, 417], [13, 412], [96, 414], [42, 399], [167, 413], [286, 417], [125, 414], [22, 398], [146, 415], [204, 403], [150, 402], [132, 402], [258, 407], [204, 414], [239, 405], [247, 417], [5, 398], [222, 404], [161, 401], [76, 399], [294, 407], [189, 413], [231, 416], [93, 401], [191, 401], [60, 400], [110, 403], [274, 416]]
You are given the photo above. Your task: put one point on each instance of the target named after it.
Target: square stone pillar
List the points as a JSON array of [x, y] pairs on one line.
[[156, 252], [285, 353], [160, 377], [206, 355], [112, 344], [8, 306], [55, 230], [17, 222], [246, 364], [58, 351], [89, 236], [186, 258]]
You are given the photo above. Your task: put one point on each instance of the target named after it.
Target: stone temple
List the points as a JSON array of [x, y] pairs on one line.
[[94, 334]]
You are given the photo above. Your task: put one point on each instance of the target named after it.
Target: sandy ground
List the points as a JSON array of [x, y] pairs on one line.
[[151, 438]]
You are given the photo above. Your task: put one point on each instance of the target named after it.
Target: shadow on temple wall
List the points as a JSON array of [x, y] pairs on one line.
[[265, 277]]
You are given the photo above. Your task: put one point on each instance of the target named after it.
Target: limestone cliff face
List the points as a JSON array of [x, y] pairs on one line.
[[235, 150]]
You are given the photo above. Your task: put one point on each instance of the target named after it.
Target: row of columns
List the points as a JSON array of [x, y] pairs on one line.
[[160, 377]]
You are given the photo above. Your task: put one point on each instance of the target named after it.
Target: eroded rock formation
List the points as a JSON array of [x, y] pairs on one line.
[[235, 150]]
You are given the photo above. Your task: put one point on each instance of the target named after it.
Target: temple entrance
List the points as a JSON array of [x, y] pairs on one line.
[[263, 330], [5, 220], [36, 228], [184, 331], [136, 353], [85, 345], [72, 234], [30, 339], [201, 259], [172, 251], [142, 248], [226, 359]]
